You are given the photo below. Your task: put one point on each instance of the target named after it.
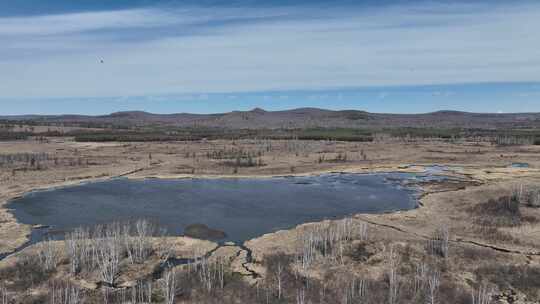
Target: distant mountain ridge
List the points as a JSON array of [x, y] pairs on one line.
[[299, 118]]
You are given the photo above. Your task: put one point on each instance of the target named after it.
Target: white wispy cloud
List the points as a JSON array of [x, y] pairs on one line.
[[208, 49], [80, 22]]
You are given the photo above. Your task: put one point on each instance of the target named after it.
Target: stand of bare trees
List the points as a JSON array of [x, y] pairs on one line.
[[105, 246], [326, 240], [482, 295], [64, 293], [3, 294], [28, 159], [439, 242], [48, 254], [513, 140], [137, 240], [212, 272], [393, 261], [527, 196], [355, 291], [168, 286], [141, 293], [427, 281], [323, 270], [109, 250]]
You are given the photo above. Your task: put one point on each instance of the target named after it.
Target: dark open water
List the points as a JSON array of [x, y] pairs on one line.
[[242, 208]]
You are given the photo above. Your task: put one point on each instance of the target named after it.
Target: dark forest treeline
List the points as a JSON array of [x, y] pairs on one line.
[[7, 135], [213, 134], [500, 137], [156, 134], [77, 124]]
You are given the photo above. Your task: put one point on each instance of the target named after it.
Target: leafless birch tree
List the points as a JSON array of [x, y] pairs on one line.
[[393, 261], [482, 295], [48, 255], [168, 286], [64, 293], [439, 242], [3, 294]]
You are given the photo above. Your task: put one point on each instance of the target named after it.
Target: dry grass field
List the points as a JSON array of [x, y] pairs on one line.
[[471, 240]]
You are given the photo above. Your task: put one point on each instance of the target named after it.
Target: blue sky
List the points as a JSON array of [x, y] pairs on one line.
[[214, 56]]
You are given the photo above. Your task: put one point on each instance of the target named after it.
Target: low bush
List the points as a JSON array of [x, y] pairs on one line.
[[529, 197], [502, 212], [26, 273], [439, 242], [360, 252], [524, 278], [496, 235], [8, 135], [471, 254]]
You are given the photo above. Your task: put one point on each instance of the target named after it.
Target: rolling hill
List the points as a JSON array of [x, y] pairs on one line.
[[297, 118]]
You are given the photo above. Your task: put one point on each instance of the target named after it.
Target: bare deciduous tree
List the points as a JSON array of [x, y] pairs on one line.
[[433, 282], [212, 273], [141, 293], [73, 252], [393, 261], [279, 277], [48, 255], [420, 278], [64, 293], [105, 245], [4, 294], [138, 243], [168, 286], [301, 296], [80, 249], [440, 242], [362, 231], [354, 291], [326, 240], [165, 248], [482, 295], [109, 251], [105, 293]]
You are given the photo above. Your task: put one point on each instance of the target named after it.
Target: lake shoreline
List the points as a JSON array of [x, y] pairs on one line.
[[68, 184], [24, 231]]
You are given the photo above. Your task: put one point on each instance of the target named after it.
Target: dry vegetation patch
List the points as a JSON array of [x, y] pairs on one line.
[[418, 256]]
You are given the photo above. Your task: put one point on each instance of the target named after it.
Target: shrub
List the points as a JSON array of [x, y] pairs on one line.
[[502, 212], [494, 234], [8, 135], [524, 278], [26, 273], [439, 242], [360, 252], [530, 198], [470, 254]]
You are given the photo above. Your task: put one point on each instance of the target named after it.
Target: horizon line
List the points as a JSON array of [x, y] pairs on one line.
[[260, 109]]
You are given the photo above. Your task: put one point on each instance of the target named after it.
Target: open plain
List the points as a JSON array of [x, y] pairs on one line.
[[479, 249]]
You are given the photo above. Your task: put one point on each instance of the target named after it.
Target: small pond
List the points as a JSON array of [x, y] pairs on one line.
[[241, 208], [519, 165]]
